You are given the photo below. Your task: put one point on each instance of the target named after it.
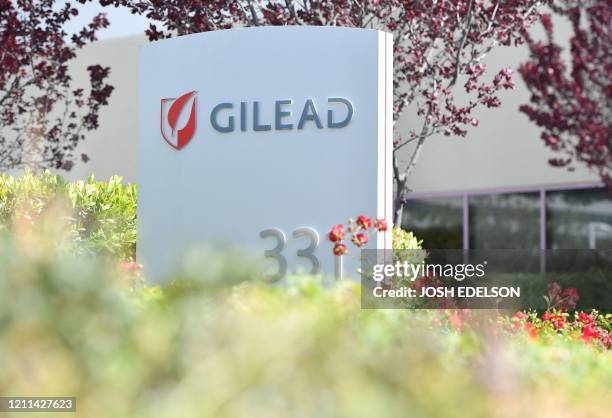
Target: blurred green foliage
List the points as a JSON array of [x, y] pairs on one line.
[[100, 216], [217, 343], [229, 347]]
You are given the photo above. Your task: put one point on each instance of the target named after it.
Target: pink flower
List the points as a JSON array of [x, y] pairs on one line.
[[606, 339], [340, 249], [517, 320], [520, 316], [360, 239], [337, 233], [551, 140], [380, 225], [131, 267], [364, 222]]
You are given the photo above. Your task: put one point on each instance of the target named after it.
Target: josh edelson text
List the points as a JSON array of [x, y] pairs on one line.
[[426, 280]]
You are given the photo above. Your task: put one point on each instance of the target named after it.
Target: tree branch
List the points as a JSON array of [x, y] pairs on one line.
[[461, 45]]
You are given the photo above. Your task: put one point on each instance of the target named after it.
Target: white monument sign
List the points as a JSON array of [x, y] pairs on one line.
[[263, 138]]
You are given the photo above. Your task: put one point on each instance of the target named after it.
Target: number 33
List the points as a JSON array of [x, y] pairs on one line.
[[281, 240]]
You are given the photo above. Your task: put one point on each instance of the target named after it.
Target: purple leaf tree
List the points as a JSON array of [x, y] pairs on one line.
[[42, 116], [571, 98]]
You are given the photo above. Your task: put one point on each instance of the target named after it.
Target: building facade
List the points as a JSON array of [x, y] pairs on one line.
[[491, 189]]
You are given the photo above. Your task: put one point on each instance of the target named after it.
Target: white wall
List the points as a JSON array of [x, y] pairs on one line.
[[113, 147]]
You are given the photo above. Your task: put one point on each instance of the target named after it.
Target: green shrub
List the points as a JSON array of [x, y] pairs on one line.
[[404, 240], [407, 247], [100, 216]]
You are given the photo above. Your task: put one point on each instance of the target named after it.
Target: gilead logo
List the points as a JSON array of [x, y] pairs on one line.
[[172, 115], [178, 127], [225, 116]]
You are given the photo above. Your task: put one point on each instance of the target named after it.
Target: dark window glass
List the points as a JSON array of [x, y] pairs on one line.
[[438, 222], [579, 219], [505, 221]]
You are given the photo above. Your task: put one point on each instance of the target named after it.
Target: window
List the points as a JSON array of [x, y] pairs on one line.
[[438, 222], [579, 219], [505, 221], [575, 219]]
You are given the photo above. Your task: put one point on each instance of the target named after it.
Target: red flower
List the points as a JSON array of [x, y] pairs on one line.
[[337, 233], [340, 249], [364, 222], [558, 321], [585, 319], [360, 239], [531, 330], [590, 332], [380, 225]]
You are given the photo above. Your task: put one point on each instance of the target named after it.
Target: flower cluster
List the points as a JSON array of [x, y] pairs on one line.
[[593, 328], [358, 229]]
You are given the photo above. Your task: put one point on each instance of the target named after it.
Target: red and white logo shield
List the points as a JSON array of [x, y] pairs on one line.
[[178, 119]]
